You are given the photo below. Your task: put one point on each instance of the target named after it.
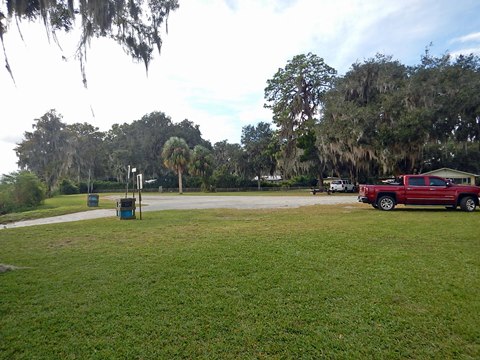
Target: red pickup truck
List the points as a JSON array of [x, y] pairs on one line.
[[420, 190]]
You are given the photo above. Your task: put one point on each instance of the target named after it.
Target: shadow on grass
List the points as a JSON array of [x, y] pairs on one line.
[[424, 209]]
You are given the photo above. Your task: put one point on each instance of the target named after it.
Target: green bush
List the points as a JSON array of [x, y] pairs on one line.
[[6, 199], [224, 180], [67, 187], [20, 191], [101, 185], [301, 180]]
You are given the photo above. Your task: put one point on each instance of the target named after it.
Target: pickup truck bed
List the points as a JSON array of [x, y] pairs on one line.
[[420, 190]]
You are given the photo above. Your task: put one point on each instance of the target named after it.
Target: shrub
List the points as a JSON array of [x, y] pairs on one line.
[[224, 180], [108, 185], [301, 180], [6, 199], [100, 185], [67, 187], [20, 191]]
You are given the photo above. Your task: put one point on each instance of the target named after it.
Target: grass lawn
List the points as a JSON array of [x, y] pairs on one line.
[[336, 282], [59, 205]]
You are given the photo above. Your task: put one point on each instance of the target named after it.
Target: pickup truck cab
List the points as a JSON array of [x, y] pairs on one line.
[[420, 190]]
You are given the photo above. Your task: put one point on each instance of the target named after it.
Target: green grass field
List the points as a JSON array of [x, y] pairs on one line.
[[58, 205], [335, 282]]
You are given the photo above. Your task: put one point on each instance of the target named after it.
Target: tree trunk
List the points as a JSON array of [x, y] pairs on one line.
[[258, 182], [320, 184], [180, 186]]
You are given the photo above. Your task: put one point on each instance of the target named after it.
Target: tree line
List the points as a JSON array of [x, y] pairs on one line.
[[381, 118], [155, 145]]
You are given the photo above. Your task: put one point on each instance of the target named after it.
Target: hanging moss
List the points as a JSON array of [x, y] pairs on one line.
[[134, 24]]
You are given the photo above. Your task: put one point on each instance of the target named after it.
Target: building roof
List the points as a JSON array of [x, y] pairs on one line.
[[451, 170]]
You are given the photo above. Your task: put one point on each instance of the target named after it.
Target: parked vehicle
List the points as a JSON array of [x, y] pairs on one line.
[[420, 190], [342, 186]]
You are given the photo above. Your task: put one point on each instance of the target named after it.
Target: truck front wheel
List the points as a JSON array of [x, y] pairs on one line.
[[386, 203], [468, 204]]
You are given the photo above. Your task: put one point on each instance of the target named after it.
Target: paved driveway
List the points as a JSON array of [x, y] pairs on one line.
[[159, 202]]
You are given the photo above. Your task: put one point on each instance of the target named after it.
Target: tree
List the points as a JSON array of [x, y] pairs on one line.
[[176, 157], [190, 132], [295, 95], [364, 126], [47, 151], [256, 141], [134, 24], [202, 164], [226, 157], [88, 153], [448, 90], [385, 118], [227, 164], [141, 141], [119, 150]]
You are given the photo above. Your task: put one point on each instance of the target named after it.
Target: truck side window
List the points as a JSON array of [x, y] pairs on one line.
[[437, 182], [416, 181]]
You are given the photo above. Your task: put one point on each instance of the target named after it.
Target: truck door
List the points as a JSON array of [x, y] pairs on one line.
[[440, 192], [416, 191]]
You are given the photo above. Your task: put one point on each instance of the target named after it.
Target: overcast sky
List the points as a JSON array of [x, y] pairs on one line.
[[216, 60]]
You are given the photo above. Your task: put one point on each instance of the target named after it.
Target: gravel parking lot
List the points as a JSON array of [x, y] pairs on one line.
[[159, 202]]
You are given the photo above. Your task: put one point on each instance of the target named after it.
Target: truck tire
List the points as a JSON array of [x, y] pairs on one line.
[[468, 204], [386, 203]]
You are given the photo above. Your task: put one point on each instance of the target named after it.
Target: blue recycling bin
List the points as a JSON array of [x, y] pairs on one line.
[[92, 200], [126, 208]]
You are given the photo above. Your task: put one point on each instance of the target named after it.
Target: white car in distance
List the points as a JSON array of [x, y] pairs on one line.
[[342, 186]]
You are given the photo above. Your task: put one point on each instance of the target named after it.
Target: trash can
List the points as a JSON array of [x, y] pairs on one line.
[[92, 200], [126, 208]]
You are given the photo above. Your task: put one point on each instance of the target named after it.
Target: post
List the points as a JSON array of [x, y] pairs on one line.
[[140, 187], [134, 170], [128, 180], [88, 186]]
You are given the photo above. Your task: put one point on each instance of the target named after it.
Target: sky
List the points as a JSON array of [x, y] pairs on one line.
[[215, 61]]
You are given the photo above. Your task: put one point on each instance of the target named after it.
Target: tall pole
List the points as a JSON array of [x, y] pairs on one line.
[[88, 186], [140, 187], [134, 170], [128, 180]]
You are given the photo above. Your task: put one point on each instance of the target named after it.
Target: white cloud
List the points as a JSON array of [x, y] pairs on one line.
[[468, 38], [472, 43], [465, 51]]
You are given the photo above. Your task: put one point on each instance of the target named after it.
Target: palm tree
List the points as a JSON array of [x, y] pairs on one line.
[[176, 156], [202, 164]]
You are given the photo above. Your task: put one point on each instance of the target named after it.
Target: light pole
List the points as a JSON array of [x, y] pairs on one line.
[[140, 187], [128, 180], [134, 170]]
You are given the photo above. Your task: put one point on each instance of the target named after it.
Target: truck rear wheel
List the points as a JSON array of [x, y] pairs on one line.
[[468, 204], [386, 203]]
